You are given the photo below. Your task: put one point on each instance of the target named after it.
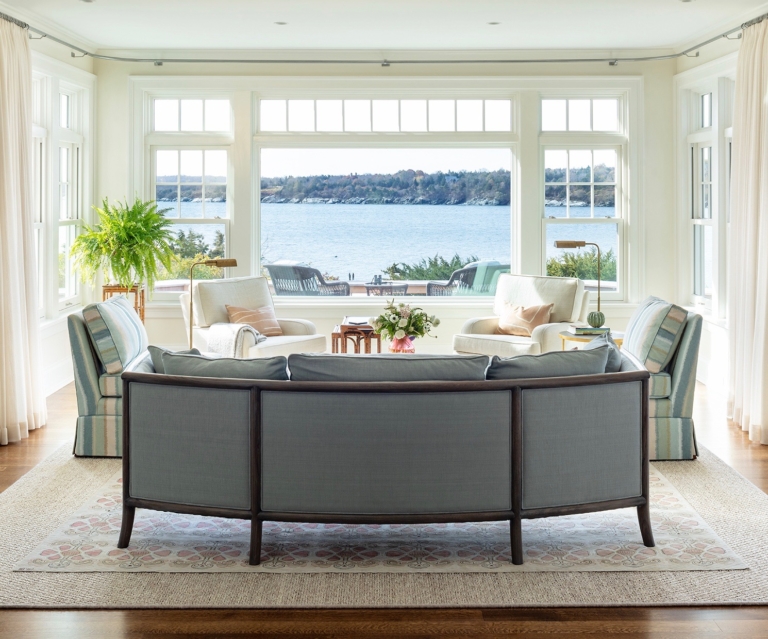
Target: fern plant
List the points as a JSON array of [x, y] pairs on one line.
[[130, 243]]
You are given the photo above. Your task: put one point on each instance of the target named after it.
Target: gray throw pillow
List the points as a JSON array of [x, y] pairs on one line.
[[614, 355], [157, 352], [554, 364], [272, 368], [387, 368]]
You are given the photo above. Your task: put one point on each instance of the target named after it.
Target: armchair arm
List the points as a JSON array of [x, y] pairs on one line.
[[297, 327], [481, 325], [548, 336]]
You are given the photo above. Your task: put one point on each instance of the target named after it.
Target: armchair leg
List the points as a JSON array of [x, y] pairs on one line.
[[516, 540], [255, 556], [127, 527], [644, 518]]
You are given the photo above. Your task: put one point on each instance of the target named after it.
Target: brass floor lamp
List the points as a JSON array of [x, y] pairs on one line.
[[221, 263], [594, 319]]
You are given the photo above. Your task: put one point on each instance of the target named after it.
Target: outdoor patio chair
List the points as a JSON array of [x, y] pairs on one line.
[[294, 279], [478, 278]]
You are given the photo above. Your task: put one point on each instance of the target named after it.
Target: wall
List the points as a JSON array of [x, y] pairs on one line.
[[657, 196]]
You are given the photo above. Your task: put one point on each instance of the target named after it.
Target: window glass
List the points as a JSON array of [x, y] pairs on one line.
[[273, 115], [301, 115], [553, 115], [442, 115], [605, 115], [191, 115], [64, 116], [413, 115], [386, 115], [357, 115], [329, 115], [579, 115], [217, 115], [469, 115], [166, 115], [706, 110], [582, 263], [498, 115]]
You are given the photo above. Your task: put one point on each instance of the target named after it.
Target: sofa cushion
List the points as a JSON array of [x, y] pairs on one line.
[[653, 333], [386, 368], [112, 385], [116, 332], [519, 320], [614, 354], [261, 319], [272, 368], [157, 352], [565, 293], [555, 364]]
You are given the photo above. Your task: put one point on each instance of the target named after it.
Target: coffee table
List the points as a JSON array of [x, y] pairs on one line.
[[358, 331]]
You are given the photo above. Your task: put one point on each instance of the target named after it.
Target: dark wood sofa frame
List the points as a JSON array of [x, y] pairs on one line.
[[515, 515]]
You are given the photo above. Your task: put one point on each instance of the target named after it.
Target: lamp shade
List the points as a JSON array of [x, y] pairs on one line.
[[570, 243], [221, 262]]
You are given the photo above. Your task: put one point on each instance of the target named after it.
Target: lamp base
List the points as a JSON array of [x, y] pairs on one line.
[[596, 319]]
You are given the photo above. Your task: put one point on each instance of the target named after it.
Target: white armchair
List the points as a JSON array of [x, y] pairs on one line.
[[209, 304], [480, 335]]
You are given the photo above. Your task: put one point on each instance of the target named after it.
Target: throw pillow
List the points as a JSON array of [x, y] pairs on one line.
[[386, 368], [518, 320], [262, 319], [157, 352], [614, 354], [554, 364], [116, 332], [272, 368], [653, 333]]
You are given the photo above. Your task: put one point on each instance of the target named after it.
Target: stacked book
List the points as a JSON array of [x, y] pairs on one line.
[[587, 330]]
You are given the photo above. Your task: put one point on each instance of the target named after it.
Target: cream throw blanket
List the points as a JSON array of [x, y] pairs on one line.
[[227, 339]]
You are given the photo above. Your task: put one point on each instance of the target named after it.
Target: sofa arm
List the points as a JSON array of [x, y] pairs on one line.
[[297, 327], [548, 336], [481, 325]]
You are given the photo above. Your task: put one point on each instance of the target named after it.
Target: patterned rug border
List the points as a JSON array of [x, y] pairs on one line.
[[43, 499]]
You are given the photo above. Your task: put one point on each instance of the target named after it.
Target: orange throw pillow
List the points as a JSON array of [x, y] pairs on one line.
[[517, 320], [262, 319]]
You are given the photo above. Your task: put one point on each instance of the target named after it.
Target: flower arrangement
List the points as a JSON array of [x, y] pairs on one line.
[[400, 322]]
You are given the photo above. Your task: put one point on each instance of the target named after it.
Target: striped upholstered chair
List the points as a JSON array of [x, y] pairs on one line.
[[664, 339], [107, 339]]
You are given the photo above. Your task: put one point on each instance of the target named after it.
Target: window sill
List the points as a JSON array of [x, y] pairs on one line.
[[708, 316]]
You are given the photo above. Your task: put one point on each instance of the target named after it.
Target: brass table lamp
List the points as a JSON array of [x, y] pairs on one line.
[[594, 319], [221, 263]]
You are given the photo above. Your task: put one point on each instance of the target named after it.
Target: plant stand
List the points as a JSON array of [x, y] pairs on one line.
[[108, 290]]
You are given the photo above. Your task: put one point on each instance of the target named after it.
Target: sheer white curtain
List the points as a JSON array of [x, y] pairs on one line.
[[22, 404], [748, 251]]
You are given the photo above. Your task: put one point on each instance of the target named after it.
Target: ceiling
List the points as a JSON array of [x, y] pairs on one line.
[[385, 24]]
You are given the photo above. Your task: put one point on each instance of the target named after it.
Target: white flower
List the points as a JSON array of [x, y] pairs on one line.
[[393, 318], [403, 323], [435, 321], [400, 335], [373, 320]]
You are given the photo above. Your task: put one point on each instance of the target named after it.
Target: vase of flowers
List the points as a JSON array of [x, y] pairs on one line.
[[402, 324]]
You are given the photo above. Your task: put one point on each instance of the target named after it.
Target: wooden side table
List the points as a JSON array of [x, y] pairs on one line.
[[361, 336], [566, 336], [110, 290]]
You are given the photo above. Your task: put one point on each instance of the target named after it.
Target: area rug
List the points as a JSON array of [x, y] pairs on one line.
[[169, 542], [719, 502]]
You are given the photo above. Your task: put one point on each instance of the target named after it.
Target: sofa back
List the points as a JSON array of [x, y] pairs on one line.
[[566, 293], [210, 298]]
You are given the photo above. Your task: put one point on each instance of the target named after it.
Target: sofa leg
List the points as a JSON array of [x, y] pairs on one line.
[[127, 528], [644, 518], [516, 540], [255, 558]]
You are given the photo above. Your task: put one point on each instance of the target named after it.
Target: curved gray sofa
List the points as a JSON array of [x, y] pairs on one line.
[[386, 452]]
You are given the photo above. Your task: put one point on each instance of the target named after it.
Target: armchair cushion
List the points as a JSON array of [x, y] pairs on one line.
[[273, 368], [210, 298], [261, 319], [518, 320], [555, 364], [565, 293], [387, 368], [116, 332], [653, 333]]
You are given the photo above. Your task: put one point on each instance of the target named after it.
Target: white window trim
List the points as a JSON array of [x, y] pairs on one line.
[[716, 77], [523, 141], [57, 77]]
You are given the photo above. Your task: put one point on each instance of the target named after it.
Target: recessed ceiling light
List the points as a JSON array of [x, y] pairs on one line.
[[686, 0], [281, 23], [494, 23], [87, 1]]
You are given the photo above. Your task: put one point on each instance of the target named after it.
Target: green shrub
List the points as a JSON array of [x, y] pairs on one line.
[[583, 265], [431, 268]]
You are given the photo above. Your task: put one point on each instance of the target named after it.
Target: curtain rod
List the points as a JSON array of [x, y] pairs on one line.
[[614, 61]]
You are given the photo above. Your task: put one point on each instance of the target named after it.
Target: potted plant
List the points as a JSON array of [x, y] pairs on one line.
[[401, 324], [129, 243]]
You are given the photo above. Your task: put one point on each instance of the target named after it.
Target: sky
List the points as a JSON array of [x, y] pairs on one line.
[[302, 162]]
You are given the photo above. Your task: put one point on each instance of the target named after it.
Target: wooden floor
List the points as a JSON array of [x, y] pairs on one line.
[[713, 431]]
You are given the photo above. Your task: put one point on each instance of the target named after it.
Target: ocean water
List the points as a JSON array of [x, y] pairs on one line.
[[364, 239]]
